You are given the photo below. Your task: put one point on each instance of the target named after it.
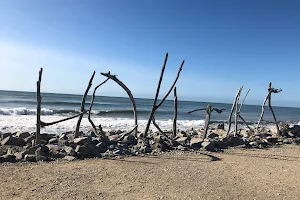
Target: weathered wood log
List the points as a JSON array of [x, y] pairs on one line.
[[155, 106], [120, 83], [233, 107], [44, 124], [175, 114], [90, 109], [82, 109], [38, 108]]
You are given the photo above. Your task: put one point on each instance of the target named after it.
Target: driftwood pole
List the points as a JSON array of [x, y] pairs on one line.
[[38, 108], [156, 95], [233, 107], [155, 106], [207, 120], [82, 105], [175, 114], [90, 109], [236, 116], [272, 90], [120, 83]]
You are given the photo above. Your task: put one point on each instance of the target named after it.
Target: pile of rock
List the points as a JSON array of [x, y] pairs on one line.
[[20, 146]]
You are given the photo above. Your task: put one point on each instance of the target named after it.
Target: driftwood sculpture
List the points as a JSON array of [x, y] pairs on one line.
[[82, 109], [155, 106], [208, 110], [120, 83], [268, 98], [234, 106]]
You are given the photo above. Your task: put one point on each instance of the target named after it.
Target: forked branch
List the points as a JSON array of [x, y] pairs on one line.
[[155, 106]]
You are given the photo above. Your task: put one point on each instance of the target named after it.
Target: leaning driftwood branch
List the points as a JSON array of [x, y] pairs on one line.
[[239, 112], [91, 105], [262, 110], [127, 133], [233, 107], [154, 106], [156, 125], [120, 83], [196, 110], [82, 105], [38, 108], [43, 124], [175, 114], [156, 95], [177, 77], [243, 101]]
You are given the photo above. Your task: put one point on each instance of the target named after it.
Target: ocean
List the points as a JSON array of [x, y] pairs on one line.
[[18, 109]]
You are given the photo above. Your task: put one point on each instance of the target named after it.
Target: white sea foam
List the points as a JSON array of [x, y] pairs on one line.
[[28, 122], [24, 111]]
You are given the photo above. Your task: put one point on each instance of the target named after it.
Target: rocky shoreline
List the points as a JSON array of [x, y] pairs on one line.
[[18, 147]]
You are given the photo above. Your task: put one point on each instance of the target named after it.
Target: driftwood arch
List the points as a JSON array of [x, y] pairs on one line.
[[121, 84]]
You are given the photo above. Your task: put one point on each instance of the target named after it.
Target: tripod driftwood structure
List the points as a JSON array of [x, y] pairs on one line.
[[208, 110], [268, 98], [155, 106]]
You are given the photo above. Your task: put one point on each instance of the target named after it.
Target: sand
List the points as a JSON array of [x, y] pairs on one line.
[[235, 174]]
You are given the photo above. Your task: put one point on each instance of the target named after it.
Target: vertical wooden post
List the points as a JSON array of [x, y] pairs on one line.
[[270, 107], [236, 115], [175, 114], [207, 120], [38, 108]]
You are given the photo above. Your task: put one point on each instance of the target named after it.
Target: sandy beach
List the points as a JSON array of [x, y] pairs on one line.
[[233, 174]]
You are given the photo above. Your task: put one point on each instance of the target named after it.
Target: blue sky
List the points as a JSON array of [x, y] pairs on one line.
[[225, 44]]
